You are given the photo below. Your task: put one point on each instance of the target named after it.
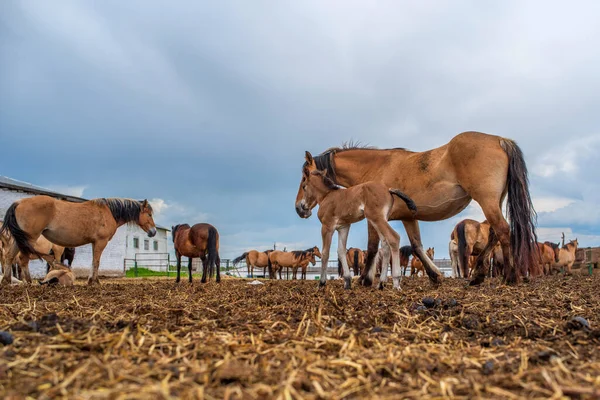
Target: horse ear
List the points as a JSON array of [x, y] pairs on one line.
[[145, 203], [309, 158]]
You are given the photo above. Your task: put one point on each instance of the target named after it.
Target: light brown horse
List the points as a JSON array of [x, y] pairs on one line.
[[69, 225], [566, 256], [294, 260], [355, 258], [471, 239], [60, 274], [42, 246], [254, 259], [199, 241], [547, 256], [416, 265], [442, 182], [339, 208]]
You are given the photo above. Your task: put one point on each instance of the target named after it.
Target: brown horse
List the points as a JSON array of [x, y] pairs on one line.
[[254, 259], [565, 256], [60, 274], [339, 208], [292, 259], [69, 225], [201, 240], [355, 258], [42, 246], [471, 239], [547, 256], [442, 182], [416, 265]]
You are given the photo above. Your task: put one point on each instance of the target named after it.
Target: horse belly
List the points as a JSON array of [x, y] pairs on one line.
[[66, 238], [443, 200]]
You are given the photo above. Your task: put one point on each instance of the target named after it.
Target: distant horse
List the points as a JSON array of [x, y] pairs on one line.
[[566, 256], [442, 182], [254, 259], [294, 260], [60, 274], [339, 208], [453, 251], [355, 258], [471, 239], [69, 225], [547, 256], [497, 262], [201, 240], [416, 265]]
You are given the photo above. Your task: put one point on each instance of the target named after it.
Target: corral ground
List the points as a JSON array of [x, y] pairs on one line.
[[153, 339]]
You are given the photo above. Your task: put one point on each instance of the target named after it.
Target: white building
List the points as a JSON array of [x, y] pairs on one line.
[[129, 243]]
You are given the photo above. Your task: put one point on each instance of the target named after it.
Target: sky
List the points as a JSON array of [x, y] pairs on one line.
[[206, 108]]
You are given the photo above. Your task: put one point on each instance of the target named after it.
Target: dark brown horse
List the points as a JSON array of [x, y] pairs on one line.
[[442, 182], [69, 225], [201, 240]]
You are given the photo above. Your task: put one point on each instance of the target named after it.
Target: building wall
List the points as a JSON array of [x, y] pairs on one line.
[[153, 258], [111, 262]]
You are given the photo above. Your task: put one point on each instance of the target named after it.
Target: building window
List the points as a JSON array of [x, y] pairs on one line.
[[155, 245], [136, 243], [146, 245]]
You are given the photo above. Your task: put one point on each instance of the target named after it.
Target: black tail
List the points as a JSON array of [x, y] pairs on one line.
[[409, 202], [463, 261], [405, 251], [355, 266], [213, 252], [269, 265], [237, 260], [68, 255], [521, 214], [21, 238]]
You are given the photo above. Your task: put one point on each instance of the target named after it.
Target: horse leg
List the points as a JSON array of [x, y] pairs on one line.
[[414, 236], [23, 263], [482, 261], [385, 262], [178, 268], [368, 275], [97, 249], [190, 269], [342, 239], [204, 269], [9, 254], [218, 266], [326, 234]]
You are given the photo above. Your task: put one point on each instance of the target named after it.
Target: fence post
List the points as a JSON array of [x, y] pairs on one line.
[[135, 269], [168, 263], [591, 269]]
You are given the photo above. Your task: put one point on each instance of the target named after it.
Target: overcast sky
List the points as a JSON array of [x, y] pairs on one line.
[[207, 107]]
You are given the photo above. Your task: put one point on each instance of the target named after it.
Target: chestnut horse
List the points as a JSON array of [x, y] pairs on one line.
[[442, 182], [42, 246], [339, 208], [416, 265], [355, 258], [547, 256], [292, 259], [254, 259], [201, 240], [69, 225], [471, 239]]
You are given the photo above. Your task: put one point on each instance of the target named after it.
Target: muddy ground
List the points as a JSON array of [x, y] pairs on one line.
[[154, 339]]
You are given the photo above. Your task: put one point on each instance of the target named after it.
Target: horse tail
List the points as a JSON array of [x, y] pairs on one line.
[[51, 281], [405, 252], [409, 202], [269, 264], [21, 238], [521, 214], [237, 260], [213, 252], [355, 266], [463, 261]]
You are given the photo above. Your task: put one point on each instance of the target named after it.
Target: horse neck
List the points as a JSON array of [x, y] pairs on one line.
[[353, 167]]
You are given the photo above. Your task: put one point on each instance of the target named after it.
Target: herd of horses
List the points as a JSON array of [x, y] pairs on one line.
[[349, 184]]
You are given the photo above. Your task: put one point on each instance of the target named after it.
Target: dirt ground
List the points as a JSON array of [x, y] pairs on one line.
[[154, 339]]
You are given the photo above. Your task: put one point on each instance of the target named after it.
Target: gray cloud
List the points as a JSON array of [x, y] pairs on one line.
[[210, 107]]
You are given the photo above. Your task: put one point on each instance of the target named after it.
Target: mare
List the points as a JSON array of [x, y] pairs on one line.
[[200, 240], [294, 260], [339, 208], [471, 239], [547, 256], [416, 265], [254, 259], [442, 182], [565, 256], [68, 224], [355, 258]]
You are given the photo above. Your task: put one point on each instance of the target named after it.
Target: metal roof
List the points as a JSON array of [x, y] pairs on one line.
[[13, 184]]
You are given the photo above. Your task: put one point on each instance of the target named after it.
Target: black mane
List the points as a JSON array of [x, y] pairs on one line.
[[175, 228], [299, 253], [122, 210], [552, 244]]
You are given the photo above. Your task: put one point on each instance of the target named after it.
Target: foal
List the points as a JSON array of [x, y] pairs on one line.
[[339, 208]]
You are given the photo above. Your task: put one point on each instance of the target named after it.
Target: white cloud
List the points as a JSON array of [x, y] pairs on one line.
[[158, 206], [76, 191]]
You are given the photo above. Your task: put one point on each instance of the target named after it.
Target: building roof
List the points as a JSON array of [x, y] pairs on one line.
[[13, 184]]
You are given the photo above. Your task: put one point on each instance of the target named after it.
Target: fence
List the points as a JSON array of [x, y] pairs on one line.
[[164, 264]]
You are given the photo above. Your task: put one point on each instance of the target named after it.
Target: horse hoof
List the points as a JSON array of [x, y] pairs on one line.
[[367, 282], [381, 286], [476, 281], [92, 282], [322, 284]]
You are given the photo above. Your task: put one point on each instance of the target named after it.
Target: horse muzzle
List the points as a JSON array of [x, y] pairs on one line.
[[302, 212], [152, 232]]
